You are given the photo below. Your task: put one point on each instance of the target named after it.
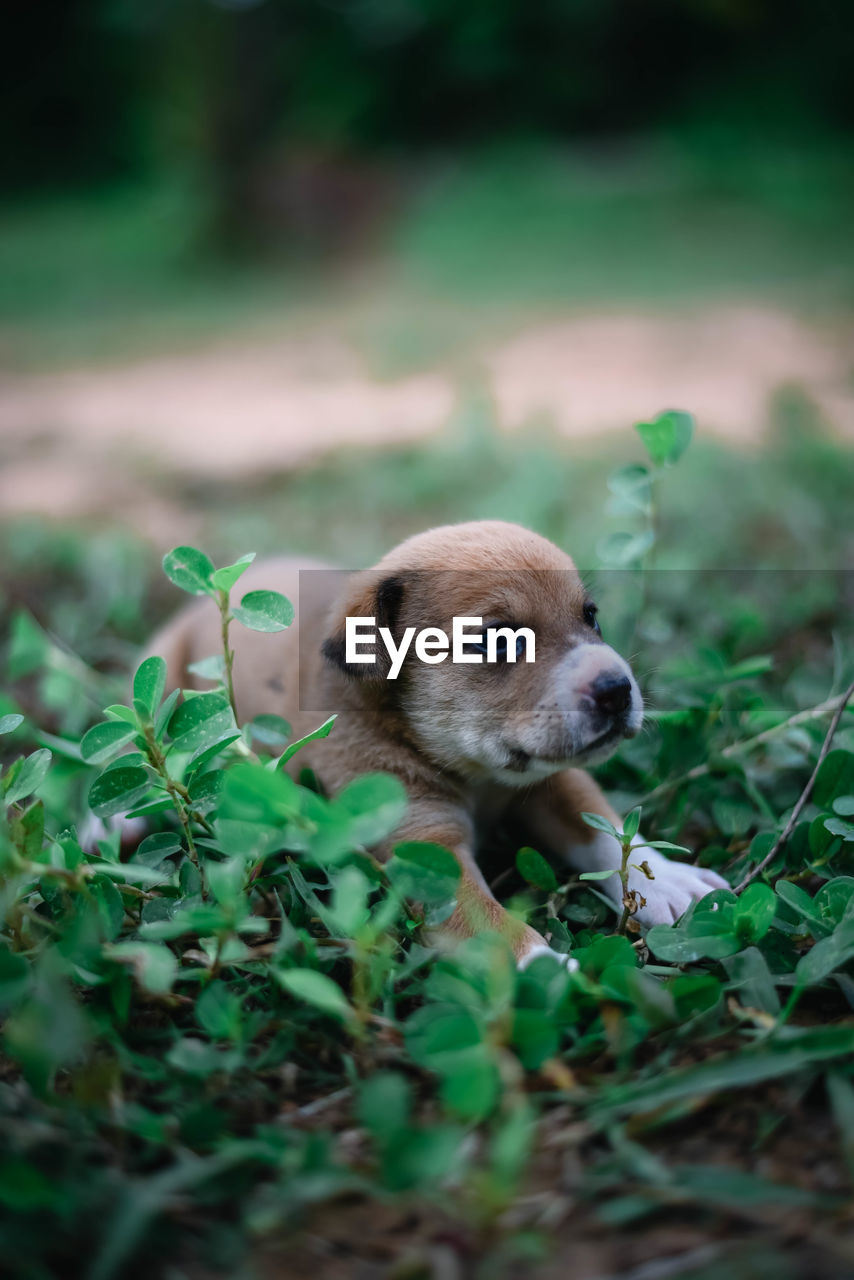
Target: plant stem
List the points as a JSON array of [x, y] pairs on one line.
[[625, 848], [228, 652], [804, 796], [175, 789], [835, 704]]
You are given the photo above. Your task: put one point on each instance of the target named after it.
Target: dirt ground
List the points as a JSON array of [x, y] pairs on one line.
[[84, 441]]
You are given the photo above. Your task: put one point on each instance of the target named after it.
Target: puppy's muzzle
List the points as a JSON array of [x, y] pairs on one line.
[[607, 696], [612, 694]]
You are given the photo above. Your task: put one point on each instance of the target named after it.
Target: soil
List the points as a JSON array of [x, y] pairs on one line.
[[89, 440]]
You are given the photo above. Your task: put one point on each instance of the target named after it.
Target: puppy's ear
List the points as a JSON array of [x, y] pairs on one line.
[[369, 595]]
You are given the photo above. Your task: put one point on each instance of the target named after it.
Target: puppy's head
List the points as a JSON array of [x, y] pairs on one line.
[[509, 721]]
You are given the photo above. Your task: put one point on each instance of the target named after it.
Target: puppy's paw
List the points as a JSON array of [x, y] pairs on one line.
[[674, 887], [542, 948], [92, 829]]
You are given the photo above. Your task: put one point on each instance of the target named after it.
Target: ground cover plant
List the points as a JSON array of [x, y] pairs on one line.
[[230, 1042]]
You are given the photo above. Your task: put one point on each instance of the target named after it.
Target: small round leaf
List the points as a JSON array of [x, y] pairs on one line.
[[191, 570], [264, 611], [118, 789]]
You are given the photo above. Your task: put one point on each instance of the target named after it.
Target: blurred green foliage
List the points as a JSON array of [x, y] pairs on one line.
[[248, 97], [102, 87]]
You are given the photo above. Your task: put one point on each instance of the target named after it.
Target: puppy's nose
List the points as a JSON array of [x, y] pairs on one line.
[[612, 693]]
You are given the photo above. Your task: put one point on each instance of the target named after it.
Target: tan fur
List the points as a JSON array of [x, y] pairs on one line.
[[457, 736]]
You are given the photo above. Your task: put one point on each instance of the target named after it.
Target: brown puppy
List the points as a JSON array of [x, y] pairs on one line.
[[475, 742]]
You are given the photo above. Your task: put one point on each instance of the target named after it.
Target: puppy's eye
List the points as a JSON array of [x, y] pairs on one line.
[[589, 613], [480, 646]]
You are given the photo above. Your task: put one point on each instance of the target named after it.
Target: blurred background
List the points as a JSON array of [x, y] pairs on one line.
[[312, 274]]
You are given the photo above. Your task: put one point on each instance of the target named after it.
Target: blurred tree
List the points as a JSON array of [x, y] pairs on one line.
[[103, 88]]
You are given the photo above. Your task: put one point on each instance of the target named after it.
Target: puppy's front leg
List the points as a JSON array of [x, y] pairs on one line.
[[552, 811], [477, 911]]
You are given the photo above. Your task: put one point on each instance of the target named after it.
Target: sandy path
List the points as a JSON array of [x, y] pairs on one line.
[[65, 439]]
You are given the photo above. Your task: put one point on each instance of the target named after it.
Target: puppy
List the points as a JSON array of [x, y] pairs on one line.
[[477, 744]]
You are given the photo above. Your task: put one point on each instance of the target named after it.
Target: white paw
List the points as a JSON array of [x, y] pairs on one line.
[[92, 829], [538, 949], [674, 887]]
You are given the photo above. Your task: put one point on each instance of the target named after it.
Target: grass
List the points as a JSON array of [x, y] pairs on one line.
[[475, 244], [232, 1042]]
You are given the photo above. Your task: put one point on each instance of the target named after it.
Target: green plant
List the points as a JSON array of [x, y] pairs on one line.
[[195, 1030]]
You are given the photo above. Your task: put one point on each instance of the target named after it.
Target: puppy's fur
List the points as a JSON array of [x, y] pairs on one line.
[[475, 746]]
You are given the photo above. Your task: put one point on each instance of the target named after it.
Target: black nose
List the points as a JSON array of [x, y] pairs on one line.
[[612, 694]]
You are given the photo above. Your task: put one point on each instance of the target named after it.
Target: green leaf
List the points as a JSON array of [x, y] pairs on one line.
[[471, 1085], [27, 830], [211, 668], [118, 711], [208, 751], [800, 902], [733, 816], [624, 549], [743, 1069], [823, 843], [316, 989], [154, 848], [826, 956], [110, 906], [206, 789], [47, 1031], [747, 669], [200, 721], [835, 900], [191, 570], [253, 794], [844, 806], [24, 1187], [533, 867], [601, 824], [104, 740], [149, 684], [754, 912], [598, 875], [322, 732], [835, 778], [384, 1104], [27, 776], [29, 646], [14, 977], [219, 1012], [424, 872], [166, 709], [667, 437], [225, 578], [632, 485], [839, 827], [350, 912], [60, 746], [8, 724], [118, 789], [227, 880], [680, 946], [154, 965], [270, 730], [375, 804], [264, 611], [751, 978], [535, 1037], [437, 1032], [631, 823]]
